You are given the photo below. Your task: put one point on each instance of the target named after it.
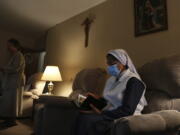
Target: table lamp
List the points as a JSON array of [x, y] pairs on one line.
[[51, 73]]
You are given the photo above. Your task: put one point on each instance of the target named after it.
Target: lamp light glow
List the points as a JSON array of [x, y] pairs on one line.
[[51, 73]]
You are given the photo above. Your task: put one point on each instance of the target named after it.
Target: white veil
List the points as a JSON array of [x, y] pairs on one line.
[[124, 58]]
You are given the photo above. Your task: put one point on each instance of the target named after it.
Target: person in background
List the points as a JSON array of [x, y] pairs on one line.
[[12, 82], [124, 92]]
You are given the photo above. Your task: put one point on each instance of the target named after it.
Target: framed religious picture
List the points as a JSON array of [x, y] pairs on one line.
[[150, 16]]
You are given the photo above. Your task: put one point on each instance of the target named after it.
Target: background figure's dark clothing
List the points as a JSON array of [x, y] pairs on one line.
[[1, 77], [99, 124]]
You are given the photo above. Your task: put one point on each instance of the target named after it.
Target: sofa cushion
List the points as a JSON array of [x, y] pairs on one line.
[[144, 123], [176, 104], [90, 80], [161, 121], [163, 74], [35, 84], [157, 101], [171, 117]]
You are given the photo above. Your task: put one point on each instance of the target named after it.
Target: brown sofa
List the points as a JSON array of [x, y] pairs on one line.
[[162, 78], [161, 116]]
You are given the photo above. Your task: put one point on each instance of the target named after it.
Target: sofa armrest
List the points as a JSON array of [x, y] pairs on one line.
[[154, 123], [172, 119], [147, 123]]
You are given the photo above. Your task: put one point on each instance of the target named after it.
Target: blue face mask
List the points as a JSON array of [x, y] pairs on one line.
[[113, 70]]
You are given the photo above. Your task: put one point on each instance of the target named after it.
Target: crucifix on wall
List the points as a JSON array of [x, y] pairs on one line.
[[87, 25]]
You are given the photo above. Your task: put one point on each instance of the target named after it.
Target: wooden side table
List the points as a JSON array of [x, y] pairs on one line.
[[43, 99], [48, 99]]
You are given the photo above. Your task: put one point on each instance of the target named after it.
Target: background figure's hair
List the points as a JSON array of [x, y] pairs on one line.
[[15, 43]]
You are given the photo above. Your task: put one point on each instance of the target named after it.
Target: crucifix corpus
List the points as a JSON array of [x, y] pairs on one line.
[[87, 25]]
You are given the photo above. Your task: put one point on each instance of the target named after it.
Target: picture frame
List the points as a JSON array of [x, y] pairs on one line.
[[150, 16]]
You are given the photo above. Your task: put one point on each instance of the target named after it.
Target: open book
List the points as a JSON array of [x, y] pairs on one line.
[[85, 102]]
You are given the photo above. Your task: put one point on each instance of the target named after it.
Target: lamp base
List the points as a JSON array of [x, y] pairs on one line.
[[47, 93], [50, 87]]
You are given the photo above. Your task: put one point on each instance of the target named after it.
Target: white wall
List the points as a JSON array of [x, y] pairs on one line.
[[112, 28]]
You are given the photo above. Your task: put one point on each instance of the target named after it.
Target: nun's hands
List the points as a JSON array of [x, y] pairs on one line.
[[93, 95], [96, 110]]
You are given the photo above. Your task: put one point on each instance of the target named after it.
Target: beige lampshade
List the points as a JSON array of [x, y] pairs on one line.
[[51, 73]]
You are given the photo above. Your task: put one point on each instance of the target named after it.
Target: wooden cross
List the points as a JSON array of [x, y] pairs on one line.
[[87, 24]]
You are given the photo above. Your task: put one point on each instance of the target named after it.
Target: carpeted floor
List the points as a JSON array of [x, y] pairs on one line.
[[24, 127]]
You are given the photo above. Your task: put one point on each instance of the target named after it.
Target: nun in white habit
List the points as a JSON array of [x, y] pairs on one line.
[[124, 92]]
